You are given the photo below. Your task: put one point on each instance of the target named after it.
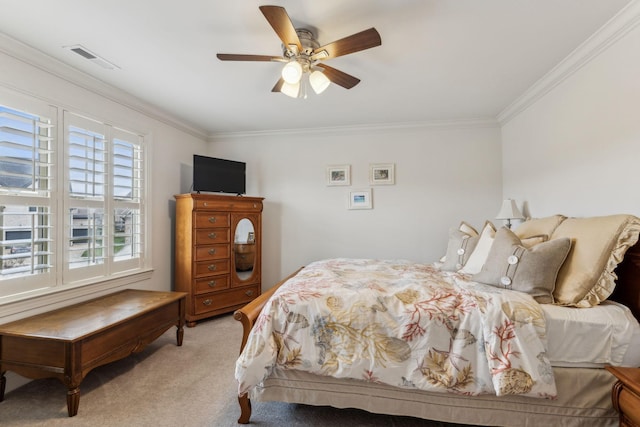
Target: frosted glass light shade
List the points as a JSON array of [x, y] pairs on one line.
[[319, 82], [292, 72], [292, 90]]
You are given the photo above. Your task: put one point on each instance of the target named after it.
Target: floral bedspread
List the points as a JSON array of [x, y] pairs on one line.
[[403, 324]]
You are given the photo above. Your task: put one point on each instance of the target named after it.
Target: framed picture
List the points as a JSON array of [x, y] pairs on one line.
[[360, 199], [382, 174], [339, 175]]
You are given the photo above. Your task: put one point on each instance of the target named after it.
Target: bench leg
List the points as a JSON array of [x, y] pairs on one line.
[[73, 401], [180, 334]]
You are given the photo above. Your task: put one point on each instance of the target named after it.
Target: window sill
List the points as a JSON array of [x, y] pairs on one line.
[[36, 302]]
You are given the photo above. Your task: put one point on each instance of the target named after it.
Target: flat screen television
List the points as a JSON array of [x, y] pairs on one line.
[[218, 175]]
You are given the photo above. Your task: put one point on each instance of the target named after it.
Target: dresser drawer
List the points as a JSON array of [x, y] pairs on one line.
[[235, 204], [213, 283], [215, 301], [212, 235], [213, 267], [211, 219], [204, 253]]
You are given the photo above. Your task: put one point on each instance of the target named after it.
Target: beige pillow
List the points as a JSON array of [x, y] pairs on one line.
[[539, 226], [465, 228], [533, 271], [531, 241], [599, 244], [459, 248], [479, 256]]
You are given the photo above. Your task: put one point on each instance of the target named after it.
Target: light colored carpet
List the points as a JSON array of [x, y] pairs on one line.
[[167, 385]]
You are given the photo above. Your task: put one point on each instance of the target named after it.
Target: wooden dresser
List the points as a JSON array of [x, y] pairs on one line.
[[626, 395], [213, 233]]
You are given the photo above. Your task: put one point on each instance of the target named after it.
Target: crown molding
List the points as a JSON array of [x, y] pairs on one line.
[[475, 123], [38, 59], [612, 31]]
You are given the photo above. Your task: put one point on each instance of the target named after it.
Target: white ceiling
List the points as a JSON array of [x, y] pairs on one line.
[[440, 60]]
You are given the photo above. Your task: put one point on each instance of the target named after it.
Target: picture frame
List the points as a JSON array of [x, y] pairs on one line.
[[338, 175], [360, 199], [382, 174]]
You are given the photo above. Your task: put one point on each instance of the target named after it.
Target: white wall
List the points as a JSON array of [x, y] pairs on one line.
[[443, 176], [576, 150]]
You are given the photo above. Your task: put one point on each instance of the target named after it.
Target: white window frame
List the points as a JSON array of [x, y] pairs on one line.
[[59, 278]]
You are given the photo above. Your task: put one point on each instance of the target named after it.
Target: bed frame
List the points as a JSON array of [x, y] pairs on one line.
[[595, 406]]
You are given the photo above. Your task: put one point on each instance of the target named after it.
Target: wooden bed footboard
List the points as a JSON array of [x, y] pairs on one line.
[[247, 315]]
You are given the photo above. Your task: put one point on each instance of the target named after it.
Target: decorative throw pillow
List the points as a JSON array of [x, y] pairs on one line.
[[533, 271], [599, 244], [459, 248], [539, 226], [466, 229], [479, 256]]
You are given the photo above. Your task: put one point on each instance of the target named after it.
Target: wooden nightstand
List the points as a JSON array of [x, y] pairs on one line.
[[626, 395]]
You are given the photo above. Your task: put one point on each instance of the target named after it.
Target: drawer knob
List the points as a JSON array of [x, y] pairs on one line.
[[249, 293], [212, 251], [212, 219], [212, 283], [208, 301], [213, 235], [212, 267]]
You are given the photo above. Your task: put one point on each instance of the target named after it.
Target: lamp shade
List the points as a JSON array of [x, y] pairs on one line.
[[318, 81], [292, 90], [292, 72], [509, 210]]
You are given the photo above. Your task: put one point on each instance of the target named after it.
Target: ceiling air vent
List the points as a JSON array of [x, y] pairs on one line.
[[87, 54]]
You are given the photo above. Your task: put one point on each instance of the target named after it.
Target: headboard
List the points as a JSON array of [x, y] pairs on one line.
[[627, 290]]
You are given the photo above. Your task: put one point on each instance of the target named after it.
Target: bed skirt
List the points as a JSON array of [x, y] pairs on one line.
[[584, 399]]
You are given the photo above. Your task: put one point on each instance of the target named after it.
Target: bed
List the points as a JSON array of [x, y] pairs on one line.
[[536, 371]]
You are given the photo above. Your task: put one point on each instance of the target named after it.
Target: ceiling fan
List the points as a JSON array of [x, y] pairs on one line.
[[303, 56]]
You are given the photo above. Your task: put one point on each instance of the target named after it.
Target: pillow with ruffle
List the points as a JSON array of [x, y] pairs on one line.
[[598, 245]]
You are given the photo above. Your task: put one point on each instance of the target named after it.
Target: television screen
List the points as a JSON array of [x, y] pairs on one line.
[[218, 175]]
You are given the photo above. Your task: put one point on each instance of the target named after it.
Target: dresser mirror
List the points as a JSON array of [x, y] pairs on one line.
[[244, 249]]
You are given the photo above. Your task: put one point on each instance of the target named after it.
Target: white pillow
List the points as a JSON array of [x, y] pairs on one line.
[[481, 252]]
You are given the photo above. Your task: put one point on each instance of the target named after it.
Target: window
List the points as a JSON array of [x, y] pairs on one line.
[[72, 200], [104, 203], [26, 171]]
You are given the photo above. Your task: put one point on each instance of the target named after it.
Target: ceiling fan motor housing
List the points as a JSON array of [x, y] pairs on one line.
[[309, 44]]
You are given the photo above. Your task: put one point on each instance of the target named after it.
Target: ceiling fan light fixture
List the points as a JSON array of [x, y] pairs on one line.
[[290, 89], [292, 72], [318, 81]]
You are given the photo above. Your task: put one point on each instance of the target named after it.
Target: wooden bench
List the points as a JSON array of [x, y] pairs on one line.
[[69, 342]]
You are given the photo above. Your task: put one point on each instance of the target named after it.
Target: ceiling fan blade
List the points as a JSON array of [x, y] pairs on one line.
[[339, 77], [278, 86], [236, 57], [354, 43], [282, 25]]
